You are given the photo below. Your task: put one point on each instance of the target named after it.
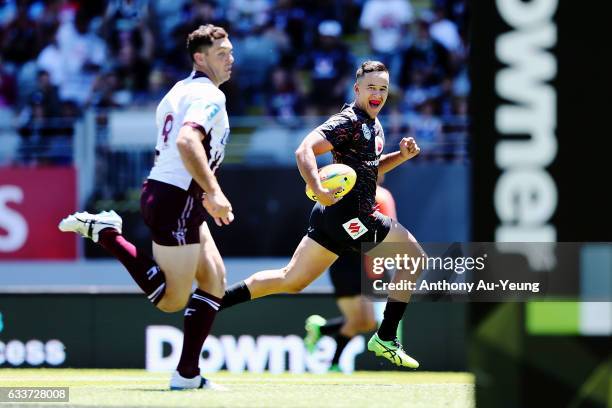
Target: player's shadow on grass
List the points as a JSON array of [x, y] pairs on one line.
[[152, 389]]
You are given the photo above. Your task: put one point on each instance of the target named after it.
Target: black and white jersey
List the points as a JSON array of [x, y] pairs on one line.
[[358, 142]]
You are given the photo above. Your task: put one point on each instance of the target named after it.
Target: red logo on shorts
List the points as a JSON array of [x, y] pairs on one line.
[[354, 227]]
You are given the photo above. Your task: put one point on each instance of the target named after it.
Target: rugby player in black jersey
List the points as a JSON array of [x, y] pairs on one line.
[[356, 138]]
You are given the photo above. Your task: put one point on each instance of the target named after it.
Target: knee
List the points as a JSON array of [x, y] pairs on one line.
[[172, 304], [212, 278], [291, 283]]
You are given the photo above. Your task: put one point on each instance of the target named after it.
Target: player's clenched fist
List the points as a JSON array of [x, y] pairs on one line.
[[219, 207], [409, 147]]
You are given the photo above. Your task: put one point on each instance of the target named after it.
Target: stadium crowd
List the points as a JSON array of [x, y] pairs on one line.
[[59, 58]]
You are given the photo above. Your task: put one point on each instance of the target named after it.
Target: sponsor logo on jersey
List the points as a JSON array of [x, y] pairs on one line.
[[211, 111], [379, 145], [366, 131], [202, 109], [354, 228]]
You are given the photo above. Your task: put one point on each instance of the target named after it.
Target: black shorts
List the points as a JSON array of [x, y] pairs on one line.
[[340, 227], [172, 214], [345, 274]]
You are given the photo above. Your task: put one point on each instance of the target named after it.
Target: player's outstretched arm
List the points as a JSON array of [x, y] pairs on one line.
[[408, 149], [313, 145], [189, 144]]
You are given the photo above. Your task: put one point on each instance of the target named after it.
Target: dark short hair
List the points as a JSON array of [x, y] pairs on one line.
[[370, 66], [203, 37]]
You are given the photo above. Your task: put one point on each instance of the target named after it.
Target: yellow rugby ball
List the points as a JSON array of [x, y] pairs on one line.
[[333, 176]]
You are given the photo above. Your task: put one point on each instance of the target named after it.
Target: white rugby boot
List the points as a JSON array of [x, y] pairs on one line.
[[178, 382], [90, 225]]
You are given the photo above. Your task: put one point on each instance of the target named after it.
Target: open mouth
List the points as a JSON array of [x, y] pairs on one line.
[[374, 104]]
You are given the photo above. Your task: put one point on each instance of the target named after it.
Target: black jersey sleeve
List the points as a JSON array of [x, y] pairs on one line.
[[338, 129]]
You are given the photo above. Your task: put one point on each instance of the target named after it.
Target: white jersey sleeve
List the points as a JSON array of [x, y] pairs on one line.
[[204, 113], [196, 103]]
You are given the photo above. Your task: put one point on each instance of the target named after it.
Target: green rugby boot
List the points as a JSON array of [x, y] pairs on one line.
[[392, 351], [313, 331]]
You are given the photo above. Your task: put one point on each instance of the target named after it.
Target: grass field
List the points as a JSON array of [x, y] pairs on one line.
[[137, 388]]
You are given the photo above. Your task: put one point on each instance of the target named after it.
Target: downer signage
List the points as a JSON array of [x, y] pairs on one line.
[[540, 117], [125, 331]]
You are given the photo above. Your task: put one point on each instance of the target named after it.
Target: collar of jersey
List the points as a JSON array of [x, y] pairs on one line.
[[358, 111], [199, 74]]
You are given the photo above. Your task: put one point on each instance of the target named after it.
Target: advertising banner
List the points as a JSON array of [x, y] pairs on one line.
[[540, 164], [32, 202], [125, 331]]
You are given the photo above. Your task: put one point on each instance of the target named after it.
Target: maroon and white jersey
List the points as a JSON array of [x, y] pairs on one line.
[[196, 102]]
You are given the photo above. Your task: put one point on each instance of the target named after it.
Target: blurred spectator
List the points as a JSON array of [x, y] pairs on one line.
[[75, 59], [8, 9], [321, 10], [427, 129], [426, 55], [19, 41], [285, 102], [60, 144], [444, 31], [417, 92], [456, 10], [46, 126], [131, 41], [256, 54], [51, 59], [246, 15], [133, 70], [125, 16], [386, 23], [289, 18], [349, 13], [8, 90], [444, 99], [330, 66], [106, 92], [193, 14], [46, 94], [160, 80]]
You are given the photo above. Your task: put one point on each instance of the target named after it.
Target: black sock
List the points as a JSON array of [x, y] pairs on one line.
[[235, 294], [394, 311], [341, 342], [332, 326], [199, 316]]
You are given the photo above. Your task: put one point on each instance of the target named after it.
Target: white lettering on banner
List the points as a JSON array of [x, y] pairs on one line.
[[215, 356], [33, 352], [12, 221], [525, 195], [318, 361], [347, 359], [245, 352], [155, 338], [248, 353]]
